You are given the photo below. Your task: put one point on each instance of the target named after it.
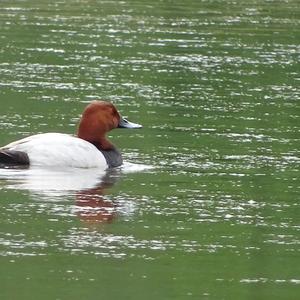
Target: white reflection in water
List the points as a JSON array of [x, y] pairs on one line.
[[51, 180], [62, 181]]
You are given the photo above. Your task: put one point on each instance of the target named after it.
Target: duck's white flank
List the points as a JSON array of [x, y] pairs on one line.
[[59, 149]]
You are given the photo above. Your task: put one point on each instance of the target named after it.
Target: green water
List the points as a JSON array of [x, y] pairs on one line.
[[207, 203]]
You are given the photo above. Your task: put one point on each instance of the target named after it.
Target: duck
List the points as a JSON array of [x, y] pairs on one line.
[[89, 148]]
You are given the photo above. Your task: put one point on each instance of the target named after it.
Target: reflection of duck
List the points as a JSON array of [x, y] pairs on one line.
[[86, 186], [90, 149]]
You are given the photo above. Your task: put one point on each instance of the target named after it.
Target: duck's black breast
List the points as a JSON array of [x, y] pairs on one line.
[[113, 157]]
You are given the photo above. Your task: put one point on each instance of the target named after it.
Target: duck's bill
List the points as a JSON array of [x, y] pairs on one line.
[[124, 123]]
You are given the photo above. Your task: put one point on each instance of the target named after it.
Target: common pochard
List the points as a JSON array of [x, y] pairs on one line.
[[89, 149]]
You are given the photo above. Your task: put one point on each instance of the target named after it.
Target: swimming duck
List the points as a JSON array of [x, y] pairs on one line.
[[89, 149]]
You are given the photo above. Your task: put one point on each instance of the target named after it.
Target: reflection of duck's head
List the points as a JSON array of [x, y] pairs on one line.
[[92, 207], [91, 149]]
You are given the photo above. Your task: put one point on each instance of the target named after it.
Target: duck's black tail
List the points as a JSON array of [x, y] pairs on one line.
[[12, 157]]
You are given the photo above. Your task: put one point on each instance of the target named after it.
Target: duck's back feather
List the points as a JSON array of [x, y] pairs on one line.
[[58, 149]]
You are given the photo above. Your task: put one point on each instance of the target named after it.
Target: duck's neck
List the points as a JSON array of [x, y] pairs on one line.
[[95, 135], [103, 144]]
